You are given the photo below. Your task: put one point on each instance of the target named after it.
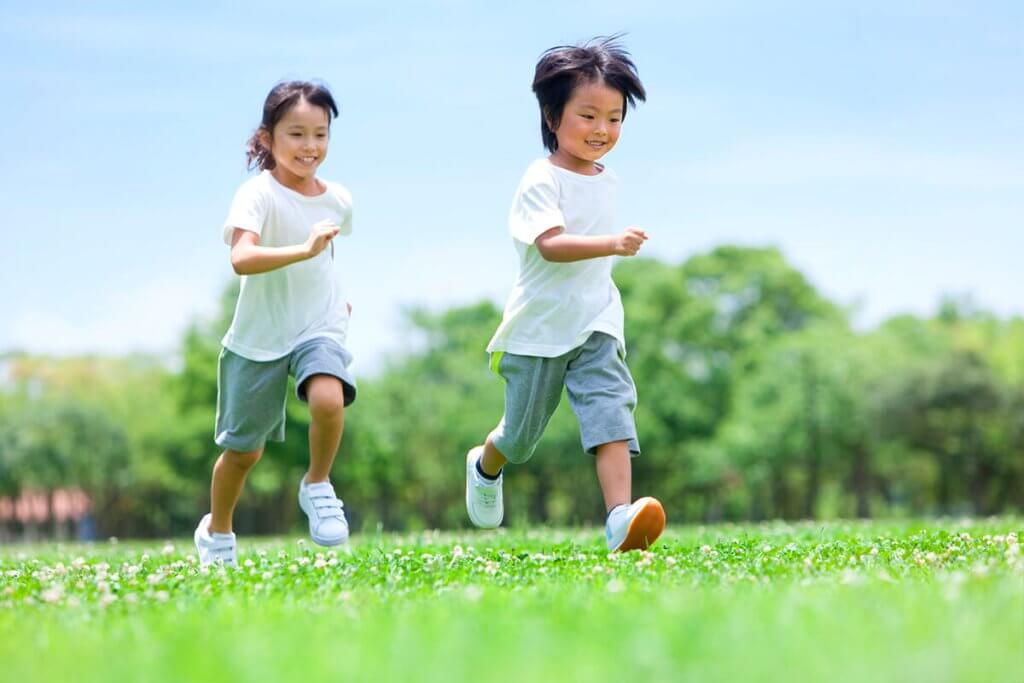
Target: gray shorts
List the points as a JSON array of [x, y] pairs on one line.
[[601, 393], [251, 395]]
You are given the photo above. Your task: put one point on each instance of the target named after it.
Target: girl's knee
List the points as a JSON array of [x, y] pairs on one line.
[[326, 397], [243, 459]]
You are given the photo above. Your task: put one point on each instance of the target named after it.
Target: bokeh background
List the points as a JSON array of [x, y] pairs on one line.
[[826, 322]]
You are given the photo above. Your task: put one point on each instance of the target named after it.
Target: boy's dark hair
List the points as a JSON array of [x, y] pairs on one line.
[[562, 68], [281, 98]]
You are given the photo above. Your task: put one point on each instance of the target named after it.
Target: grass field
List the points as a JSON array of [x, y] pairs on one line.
[[900, 601]]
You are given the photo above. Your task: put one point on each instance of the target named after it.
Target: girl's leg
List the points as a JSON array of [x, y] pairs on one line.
[[614, 472], [326, 400], [229, 474]]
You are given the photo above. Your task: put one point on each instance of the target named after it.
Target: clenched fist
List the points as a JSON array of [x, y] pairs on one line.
[[320, 235], [629, 242]]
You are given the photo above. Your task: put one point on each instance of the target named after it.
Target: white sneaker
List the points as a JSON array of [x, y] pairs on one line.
[[214, 547], [483, 496], [636, 526], [327, 523]]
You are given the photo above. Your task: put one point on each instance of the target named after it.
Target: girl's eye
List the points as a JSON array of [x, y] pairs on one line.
[[616, 120], [588, 116]]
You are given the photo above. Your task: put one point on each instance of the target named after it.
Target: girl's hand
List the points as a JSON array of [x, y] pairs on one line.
[[320, 235], [629, 242]]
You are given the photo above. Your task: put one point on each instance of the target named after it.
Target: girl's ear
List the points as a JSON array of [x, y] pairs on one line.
[[265, 138]]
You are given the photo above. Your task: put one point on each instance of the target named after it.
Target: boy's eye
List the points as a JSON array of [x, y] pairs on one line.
[[588, 116]]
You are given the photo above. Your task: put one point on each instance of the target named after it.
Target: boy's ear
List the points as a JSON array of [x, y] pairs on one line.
[[550, 120]]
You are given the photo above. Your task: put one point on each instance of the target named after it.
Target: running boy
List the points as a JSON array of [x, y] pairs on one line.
[[563, 323]]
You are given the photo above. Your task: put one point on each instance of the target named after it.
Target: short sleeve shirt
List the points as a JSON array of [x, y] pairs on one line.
[[280, 309], [554, 307]]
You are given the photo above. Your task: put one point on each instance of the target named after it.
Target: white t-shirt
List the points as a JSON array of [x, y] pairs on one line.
[[554, 307], [283, 308]]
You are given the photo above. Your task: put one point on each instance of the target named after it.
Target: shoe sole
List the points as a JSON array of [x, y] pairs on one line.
[[319, 540], [469, 508], [645, 528]]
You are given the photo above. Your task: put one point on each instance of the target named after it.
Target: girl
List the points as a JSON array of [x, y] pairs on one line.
[[290, 318], [563, 323]]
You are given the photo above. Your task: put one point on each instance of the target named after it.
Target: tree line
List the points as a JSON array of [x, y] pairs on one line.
[[758, 399]]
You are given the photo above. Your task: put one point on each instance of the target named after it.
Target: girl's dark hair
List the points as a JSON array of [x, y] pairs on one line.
[[280, 100], [561, 69]]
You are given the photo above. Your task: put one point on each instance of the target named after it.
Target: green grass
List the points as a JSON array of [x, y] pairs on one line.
[[903, 601]]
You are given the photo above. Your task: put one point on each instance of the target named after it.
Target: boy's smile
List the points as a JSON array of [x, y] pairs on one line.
[[589, 128]]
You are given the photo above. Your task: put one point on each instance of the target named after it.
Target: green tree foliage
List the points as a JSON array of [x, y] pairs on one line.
[[757, 400]]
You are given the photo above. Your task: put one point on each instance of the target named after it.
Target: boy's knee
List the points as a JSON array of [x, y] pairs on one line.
[[515, 453]]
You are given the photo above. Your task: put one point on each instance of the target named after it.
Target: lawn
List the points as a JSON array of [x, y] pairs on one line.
[[933, 601]]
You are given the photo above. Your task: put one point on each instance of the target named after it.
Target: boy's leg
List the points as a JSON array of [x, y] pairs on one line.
[[614, 472], [492, 460], [533, 388], [229, 473], [603, 396]]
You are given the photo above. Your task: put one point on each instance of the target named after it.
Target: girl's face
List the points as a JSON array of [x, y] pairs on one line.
[[590, 126], [299, 143]]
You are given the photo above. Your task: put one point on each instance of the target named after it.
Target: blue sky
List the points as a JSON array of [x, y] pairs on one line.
[[880, 145]]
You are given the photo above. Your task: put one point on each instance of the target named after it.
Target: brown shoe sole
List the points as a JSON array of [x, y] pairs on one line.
[[645, 528]]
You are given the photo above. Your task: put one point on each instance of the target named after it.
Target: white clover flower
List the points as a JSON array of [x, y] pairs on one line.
[[615, 586], [267, 576], [474, 593], [457, 552], [249, 563], [168, 549], [705, 549], [53, 594], [766, 548], [303, 561], [108, 598], [294, 569], [931, 557], [78, 562], [130, 598], [162, 596], [145, 557], [320, 563], [670, 561], [154, 579], [965, 536]]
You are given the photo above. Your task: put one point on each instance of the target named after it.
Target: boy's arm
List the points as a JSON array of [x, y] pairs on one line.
[[555, 245], [249, 258]]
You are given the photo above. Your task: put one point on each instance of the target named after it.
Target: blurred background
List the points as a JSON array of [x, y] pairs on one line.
[[826, 322]]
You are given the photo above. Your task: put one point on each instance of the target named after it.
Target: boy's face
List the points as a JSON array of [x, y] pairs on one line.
[[590, 125], [299, 142]]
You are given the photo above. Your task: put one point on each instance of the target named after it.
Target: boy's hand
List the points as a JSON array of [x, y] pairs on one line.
[[320, 236], [629, 242]]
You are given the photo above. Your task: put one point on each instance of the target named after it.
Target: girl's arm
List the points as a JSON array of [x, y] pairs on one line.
[[249, 258], [555, 245]]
